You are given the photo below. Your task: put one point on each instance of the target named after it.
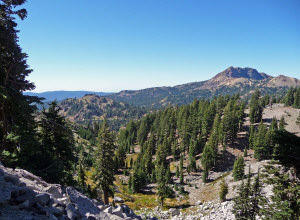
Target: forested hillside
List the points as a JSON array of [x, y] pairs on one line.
[[92, 108], [231, 81]]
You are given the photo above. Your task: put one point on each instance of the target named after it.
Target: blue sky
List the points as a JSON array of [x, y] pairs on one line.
[[113, 45]]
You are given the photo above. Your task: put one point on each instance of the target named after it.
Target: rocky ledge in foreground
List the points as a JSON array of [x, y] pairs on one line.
[[24, 196]]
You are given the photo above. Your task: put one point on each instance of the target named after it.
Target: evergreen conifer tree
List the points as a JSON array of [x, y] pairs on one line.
[[181, 177], [256, 109], [57, 146], [17, 125], [282, 123], [223, 191], [104, 175], [238, 168]]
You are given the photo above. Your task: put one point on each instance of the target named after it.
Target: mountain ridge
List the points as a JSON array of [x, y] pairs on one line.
[[229, 81]]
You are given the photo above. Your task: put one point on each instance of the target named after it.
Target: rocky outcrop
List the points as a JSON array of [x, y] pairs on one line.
[[26, 196]]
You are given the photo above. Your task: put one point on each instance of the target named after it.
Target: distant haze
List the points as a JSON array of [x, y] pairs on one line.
[[61, 95]]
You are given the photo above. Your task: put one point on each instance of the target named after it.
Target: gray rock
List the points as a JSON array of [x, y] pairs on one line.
[[128, 211], [109, 210], [110, 217], [174, 212], [118, 200], [71, 212], [5, 196], [55, 190], [84, 204], [43, 198], [103, 207], [118, 211]]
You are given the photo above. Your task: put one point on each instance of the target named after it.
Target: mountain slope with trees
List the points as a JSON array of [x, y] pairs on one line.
[[92, 108], [231, 81]]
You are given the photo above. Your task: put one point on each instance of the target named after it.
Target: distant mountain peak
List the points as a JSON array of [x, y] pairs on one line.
[[238, 72]]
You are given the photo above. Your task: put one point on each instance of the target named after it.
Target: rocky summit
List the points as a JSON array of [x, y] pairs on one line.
[[24, 196]]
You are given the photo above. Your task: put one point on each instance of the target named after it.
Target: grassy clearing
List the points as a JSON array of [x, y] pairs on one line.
[[137, 201]]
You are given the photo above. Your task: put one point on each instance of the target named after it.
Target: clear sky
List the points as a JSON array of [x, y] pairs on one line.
[[113, 45]]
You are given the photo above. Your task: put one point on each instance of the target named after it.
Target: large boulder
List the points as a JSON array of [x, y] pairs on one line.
[[42, 198], [84, 204], [109, 210], [118, 211], [55, 190]]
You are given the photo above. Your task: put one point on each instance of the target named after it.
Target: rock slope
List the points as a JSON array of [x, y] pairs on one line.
[[26, 196]]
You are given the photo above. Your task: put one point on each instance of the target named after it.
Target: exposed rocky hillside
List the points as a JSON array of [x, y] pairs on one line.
[[92, 107], [233, 76], [26, 196], [230, 81], [283, 81]]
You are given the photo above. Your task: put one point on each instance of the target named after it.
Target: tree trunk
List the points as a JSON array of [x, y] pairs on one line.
[[105, 197]]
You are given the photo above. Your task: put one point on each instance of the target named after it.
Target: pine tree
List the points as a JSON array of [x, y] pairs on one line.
[[248, 202], [192, 159], [289, 98], [282, 123], [262, 149], [163, 190], [241, 202], [297, 99], [223, 191], [207, 161], [285, 199], [17, 125], [251, 137], [104, 175], [181, 177], [256, 109], [238, 168], [242, 207], [57, 146], [81, 171]]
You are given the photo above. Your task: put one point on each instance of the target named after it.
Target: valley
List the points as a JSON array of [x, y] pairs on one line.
[[224, 146]]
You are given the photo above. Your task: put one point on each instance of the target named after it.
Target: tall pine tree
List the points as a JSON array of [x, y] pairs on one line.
[[104, 175]]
